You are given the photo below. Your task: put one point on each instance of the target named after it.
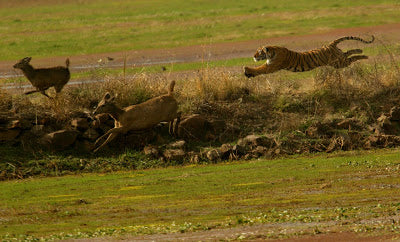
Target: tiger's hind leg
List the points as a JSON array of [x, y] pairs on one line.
[[345, 62], [352, 52], [352, 59]]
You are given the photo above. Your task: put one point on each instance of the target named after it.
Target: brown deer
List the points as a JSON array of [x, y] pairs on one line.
[[44, 78], [142, 116]]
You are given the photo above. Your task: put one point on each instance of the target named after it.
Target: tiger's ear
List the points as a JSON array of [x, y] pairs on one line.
[[265, 49]]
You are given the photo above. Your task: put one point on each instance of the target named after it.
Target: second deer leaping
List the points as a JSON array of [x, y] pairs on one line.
[[142, 116]]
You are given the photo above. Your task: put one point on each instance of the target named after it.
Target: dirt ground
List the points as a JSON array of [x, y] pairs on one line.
[[218, 51]]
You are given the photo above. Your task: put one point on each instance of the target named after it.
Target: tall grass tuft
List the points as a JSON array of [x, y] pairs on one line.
[[215, 85]]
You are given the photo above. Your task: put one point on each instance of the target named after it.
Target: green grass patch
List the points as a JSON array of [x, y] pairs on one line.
[[344, 188], [50, 29]]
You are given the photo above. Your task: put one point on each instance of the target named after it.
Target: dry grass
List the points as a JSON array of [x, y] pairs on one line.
[[266, 104]]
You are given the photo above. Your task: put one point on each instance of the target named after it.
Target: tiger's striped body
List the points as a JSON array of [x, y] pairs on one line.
[[281, 58]]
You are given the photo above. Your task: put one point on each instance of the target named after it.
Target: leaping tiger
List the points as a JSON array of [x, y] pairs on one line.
[[281, 58]]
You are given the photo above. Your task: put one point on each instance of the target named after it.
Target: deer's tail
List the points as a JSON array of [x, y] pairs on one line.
[[171, 87]]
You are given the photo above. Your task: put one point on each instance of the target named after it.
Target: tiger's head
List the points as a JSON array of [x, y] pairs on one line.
[[265, 53]]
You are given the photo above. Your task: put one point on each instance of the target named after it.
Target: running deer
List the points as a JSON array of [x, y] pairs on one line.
[[142, 116], [44, 78]]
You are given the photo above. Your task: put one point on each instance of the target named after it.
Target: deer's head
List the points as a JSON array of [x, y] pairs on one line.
[[106, 105], [23, 62]]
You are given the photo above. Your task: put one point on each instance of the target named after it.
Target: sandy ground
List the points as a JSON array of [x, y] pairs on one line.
[[219, 51]]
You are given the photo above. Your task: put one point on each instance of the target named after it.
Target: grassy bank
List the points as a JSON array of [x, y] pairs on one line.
[[353, 191], [284, 105], [44, 28]]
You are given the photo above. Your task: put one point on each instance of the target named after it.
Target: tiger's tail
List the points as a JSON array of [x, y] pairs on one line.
[[335, 42]]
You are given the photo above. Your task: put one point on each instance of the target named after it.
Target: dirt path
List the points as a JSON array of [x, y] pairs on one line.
[[218, 51]]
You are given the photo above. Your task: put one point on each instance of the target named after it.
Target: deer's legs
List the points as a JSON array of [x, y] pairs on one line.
[[44, 93], [41, 91], [173, 128], [112, 134], [30, 92]]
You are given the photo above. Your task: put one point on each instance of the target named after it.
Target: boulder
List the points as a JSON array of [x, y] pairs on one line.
[[194, 127], [382, 141], [383, 121], [213, 155], [312, 131], [4, 120], [252, 141], [239, 150], [248, 156], [259, 151], [9, 134], [350, 124], [318, 129], [20, 123], [197, 127], [45, 121], [91, 134], [395, 114], [134, 139], [341, 142], [386, 126], [226, 151], [174, 154], [80, 124], [59, 140], [194, 157], [151, 151], [39, 130], [218, 126], [84, 145], [180, 144]]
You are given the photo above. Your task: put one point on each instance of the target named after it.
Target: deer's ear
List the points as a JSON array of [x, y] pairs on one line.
[[27, 59], [107, 96]]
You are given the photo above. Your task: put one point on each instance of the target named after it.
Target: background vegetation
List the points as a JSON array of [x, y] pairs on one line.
[[75, 27]]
